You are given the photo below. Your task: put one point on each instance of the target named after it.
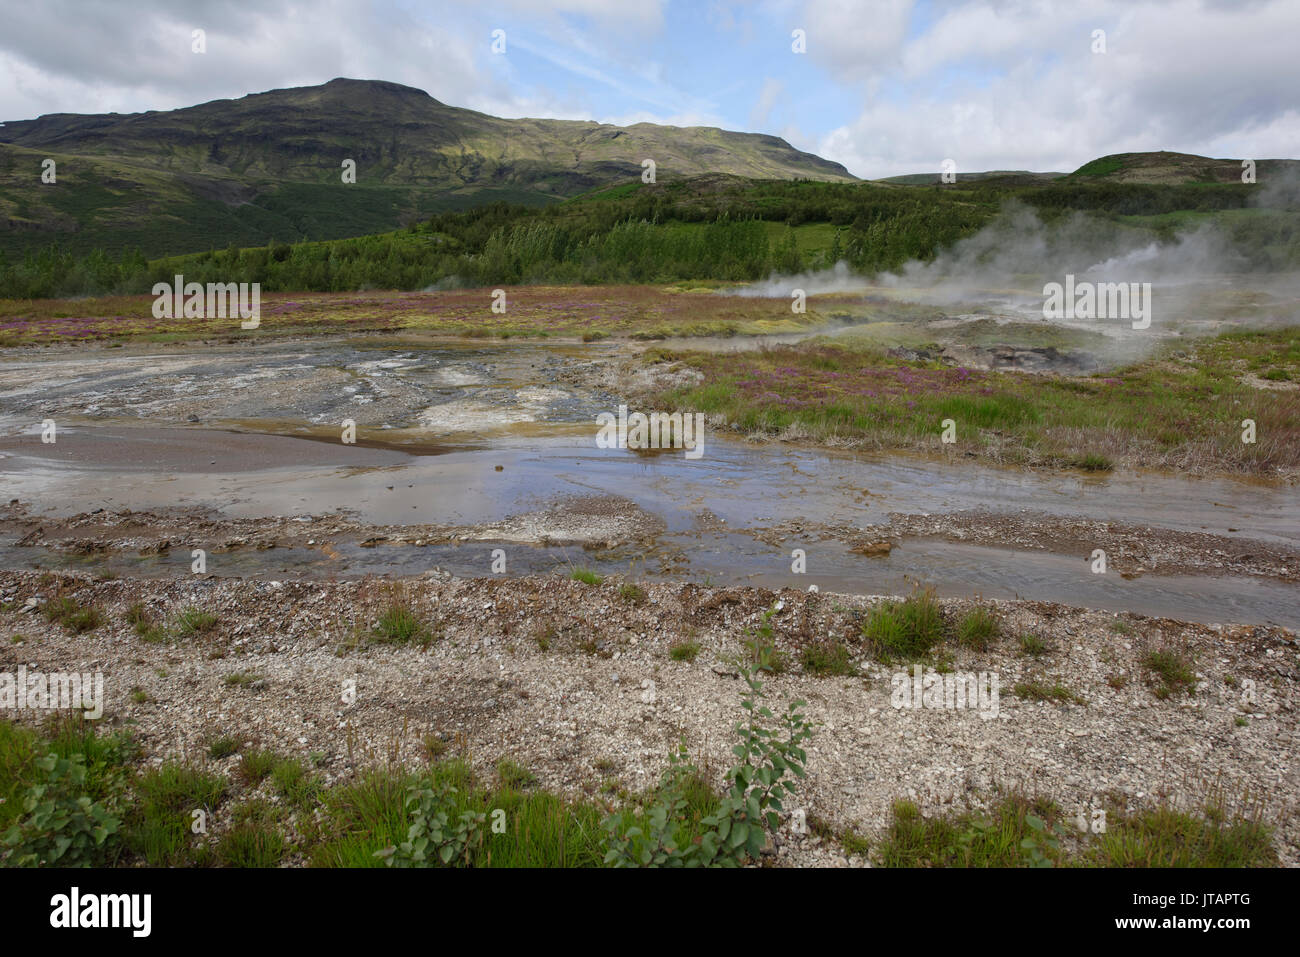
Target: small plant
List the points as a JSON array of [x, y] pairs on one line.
[[400, 625], [224, 747], [854, 844], [138, 618], [1032, 645], [684, 650], [1174, 670], [250, 844], [828, 658], [239, 679], [192, 621], [1037, 844], [62, 826], [586, 576], [292, 782], [513, 775], [435, 747], [434, 837], [741, 824], [139, 695], [634, 594], [256, 765], [543, 636], [978, 628], [76, 618], [761, 653], [907, 629]]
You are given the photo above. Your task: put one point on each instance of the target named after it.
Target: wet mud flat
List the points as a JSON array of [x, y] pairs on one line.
[[131, 500], [464, 447], [577, 683]]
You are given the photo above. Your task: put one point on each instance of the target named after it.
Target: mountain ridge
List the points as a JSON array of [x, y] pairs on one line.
[[282, 151]]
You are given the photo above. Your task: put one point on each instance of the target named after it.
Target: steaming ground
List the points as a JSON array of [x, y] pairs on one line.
[[1200, 283]]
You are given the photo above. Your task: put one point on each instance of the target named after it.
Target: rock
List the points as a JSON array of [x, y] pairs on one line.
[[872, 549]]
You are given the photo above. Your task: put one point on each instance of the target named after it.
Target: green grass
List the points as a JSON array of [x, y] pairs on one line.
[[514, 776], [72, 616], [828, 658], [1163, 837], [541, 829], [978, 628], [250, 845], [1032, 645], [962, 840], [586, 576], [224, 747], [256, 766], [191, 622], [1173, 669], [159, 825], [633, 593], [293, 782], [684, 650], [906, 629], [399, 624]]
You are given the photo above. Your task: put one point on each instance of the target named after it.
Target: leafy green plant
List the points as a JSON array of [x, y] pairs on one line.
[[1036, 844], [759, 783], [435, 838], [761, 652], [63, 827]]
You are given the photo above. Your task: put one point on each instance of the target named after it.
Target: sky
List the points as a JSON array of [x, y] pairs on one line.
[[883, 86]]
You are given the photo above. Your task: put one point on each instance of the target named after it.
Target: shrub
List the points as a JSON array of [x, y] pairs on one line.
[[434, 838], [739, 828], [62, 826]]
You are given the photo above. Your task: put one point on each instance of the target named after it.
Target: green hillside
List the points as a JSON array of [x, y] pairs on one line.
[[709, 228], [268, 167]]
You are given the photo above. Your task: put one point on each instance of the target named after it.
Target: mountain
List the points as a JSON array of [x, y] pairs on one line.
[[1003, 177], [1168, 168], [269, 165]]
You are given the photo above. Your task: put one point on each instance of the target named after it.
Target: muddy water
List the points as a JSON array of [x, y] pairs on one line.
[[473, 434]]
